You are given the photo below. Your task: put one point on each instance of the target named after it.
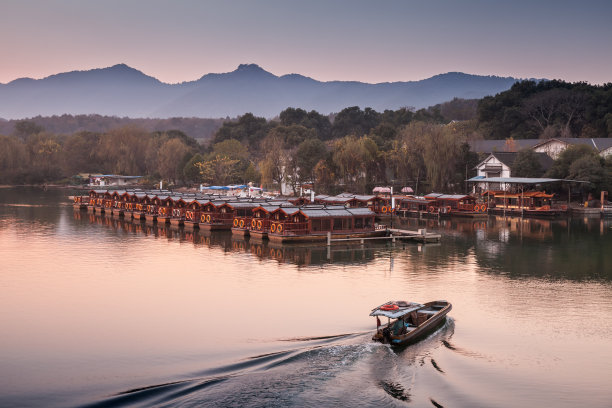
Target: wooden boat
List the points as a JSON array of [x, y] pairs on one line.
[[408, 321], [524, 204], [316, 222]]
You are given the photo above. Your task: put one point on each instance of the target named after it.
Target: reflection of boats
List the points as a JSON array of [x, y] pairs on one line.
[[411, 321]]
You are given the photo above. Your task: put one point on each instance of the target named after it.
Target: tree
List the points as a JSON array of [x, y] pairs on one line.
[[311, 120], [589, 168], [561, 166], [13, 160], [25, 128], [231, 148], [354, 121], [191, 172], [220, 170], [324, 175], [172, 159], [356, 160], [124, 151], [527, 164], [308, 154]]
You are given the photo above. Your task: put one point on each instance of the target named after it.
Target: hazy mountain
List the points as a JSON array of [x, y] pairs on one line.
[[124, 91]]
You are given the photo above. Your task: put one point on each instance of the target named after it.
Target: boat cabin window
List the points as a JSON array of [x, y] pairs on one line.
[[320, 224], [342, 223], [358, 223]]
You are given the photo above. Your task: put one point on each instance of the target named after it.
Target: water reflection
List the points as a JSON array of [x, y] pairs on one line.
[[509, 245], [301, 255]]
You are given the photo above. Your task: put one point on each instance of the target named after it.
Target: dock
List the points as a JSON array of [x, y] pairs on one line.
[[393, 234]]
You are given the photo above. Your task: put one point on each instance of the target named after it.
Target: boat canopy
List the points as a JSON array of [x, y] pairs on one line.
[[396, 313]]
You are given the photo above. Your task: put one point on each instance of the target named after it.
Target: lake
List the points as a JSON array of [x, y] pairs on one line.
[[104, 312]]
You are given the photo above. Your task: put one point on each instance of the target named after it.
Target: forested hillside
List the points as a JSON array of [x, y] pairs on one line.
[[546, 109], [198, 128]]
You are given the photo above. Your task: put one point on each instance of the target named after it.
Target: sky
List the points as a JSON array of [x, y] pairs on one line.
[[370, 41]]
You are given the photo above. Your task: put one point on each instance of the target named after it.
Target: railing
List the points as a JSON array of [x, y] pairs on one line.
[[178, 213], [216, 218], [192, 215], [289, 228], [242, 223], [260, 224]]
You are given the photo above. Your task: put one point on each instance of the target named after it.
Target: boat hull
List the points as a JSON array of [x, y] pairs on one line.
[[416, 334], [323, 237]]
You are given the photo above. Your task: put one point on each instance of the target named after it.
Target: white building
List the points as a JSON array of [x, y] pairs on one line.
[[499, 164], [113, 180]]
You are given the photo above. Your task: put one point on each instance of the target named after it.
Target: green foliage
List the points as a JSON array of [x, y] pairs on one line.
[[526, 164], [546, 109], [191, 172], [354, 121], [561, 166], [310, 120], [219, 170], [248, 129], [231, 148], [25, 128], [589, 168], [308, 154]]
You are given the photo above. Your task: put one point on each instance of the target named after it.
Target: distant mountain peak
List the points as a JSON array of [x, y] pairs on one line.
[[252, 70], [121, 90]]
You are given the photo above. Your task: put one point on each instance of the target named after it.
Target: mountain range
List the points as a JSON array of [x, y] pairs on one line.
[[124, 91]]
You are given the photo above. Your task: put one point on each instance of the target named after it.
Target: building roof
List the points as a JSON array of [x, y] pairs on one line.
[[497, 146], [598, 143], [508, 158], [515, 180], [360, 211], [490, 146]]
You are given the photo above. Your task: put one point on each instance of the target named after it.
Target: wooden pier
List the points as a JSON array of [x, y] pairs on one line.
[[392, 235]]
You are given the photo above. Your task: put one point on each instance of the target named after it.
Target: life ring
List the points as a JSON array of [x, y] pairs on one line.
[[253, 224], [483, 208], [384, 209], [448, 209], [259, 225], [235, 222], [241, 223], [273, 228], [389, 307], [203, 218], [208, 218], [431, 209], [279, 228]]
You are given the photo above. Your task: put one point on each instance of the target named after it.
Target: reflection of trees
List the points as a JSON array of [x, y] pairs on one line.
[[576, 249], [546, 248], [30, 208]]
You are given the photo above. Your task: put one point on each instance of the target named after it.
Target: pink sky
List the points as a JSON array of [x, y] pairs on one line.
[[326, 40]]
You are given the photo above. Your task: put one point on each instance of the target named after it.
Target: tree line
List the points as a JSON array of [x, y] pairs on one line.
[[352, 150]]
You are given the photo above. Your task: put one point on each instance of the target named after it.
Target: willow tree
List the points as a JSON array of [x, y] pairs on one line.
[[356, 160]]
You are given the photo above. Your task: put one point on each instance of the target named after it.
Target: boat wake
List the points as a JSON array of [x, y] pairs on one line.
[[334, 370]]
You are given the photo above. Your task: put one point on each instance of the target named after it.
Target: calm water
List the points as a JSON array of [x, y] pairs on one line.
[[100, 312]]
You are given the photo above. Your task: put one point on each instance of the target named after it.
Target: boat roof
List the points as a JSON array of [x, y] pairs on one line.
[[395, 314]]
